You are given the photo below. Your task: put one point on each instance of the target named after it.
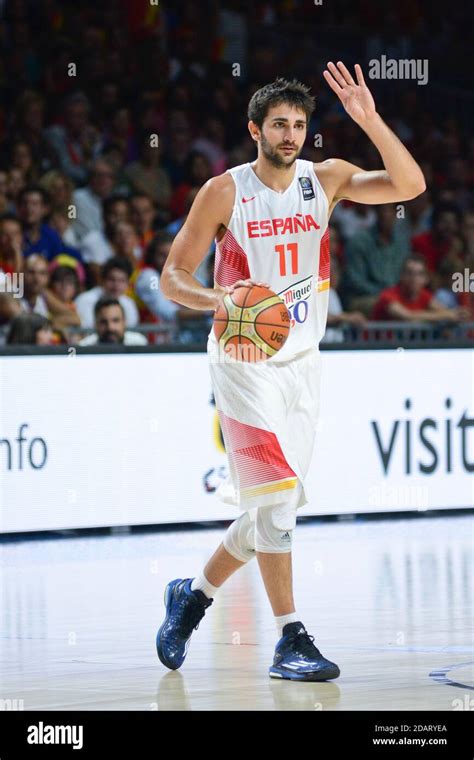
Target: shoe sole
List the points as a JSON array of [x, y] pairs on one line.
[[327, 675], [161, 656]]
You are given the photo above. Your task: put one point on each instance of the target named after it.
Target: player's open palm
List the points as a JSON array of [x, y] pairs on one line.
[[354, 96]]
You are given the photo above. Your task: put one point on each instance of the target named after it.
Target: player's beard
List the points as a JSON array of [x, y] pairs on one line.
[[274, 157]]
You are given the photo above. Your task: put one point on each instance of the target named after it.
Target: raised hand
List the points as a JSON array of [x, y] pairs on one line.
[[354, 96]]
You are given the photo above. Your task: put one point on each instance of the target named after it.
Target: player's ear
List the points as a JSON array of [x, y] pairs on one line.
[[254, 130]]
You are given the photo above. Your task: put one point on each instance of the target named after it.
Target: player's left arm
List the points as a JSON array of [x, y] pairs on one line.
[[402, 178]]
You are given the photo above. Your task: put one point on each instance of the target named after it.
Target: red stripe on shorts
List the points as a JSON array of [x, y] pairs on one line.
[[255, 453]]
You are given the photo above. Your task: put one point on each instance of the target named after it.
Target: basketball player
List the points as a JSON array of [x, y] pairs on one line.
[[269, 219]]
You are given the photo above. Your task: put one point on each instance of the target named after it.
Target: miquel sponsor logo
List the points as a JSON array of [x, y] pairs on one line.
[[41, 734]]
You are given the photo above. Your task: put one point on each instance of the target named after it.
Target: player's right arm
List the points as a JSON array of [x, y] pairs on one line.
[[208, 217]]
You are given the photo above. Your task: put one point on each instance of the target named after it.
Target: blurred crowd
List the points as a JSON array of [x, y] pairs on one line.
[[113, 116]]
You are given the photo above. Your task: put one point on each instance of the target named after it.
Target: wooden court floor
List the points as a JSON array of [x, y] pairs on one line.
[[391, 601]]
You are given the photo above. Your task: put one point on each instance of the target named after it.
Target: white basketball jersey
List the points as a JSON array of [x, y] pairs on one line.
[[281, 239]]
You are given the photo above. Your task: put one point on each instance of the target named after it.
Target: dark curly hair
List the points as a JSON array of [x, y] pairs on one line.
[[280, 91]]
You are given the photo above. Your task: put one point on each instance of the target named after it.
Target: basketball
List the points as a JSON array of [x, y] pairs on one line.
[[252, 324]]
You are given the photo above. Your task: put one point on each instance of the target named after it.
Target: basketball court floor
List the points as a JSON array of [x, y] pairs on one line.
[[391, 601]]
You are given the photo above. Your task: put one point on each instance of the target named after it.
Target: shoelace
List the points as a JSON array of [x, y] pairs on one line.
[[305, 644], [193, 612]]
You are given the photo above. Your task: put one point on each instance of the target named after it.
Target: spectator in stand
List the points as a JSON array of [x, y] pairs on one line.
[[121, 135], [65, 285], [353, 217], [6, 207], [336, 245], [152, 305], [38, 237], [212, 144], [458, 179], [76, 142], [10, 308], [148, 176], [30, 330], [60, 190], [420, 211], [89, 200], [11, 244], [437, 243], [467, 234], [28, 125], [125, 243], [15, 184], [97, 246], [110, 325], [113, 155], [60, 193], [143, 218], [60, 221], [116, 275], [374, 259], [35, 284], [21, 158], [444, 293], [410, 300], [178, 147], [197, 172], [337, 317], [39, 299]]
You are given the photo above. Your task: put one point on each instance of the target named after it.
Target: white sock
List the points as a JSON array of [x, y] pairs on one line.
[[282, 620], [201, 583]]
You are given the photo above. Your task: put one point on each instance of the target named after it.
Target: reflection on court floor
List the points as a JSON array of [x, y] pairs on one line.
[[390, 601]]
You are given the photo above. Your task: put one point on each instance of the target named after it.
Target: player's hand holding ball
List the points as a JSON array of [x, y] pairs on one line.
[[251, 322]]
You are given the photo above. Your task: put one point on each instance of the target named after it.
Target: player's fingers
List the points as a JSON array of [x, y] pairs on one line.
[[248, 284], [359, 75], [332, 83], [336, 74], [345, 73]]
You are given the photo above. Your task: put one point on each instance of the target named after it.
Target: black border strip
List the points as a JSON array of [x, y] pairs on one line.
[[202, 348], [127, 530]]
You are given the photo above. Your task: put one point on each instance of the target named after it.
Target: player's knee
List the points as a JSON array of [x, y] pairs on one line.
[[268, 537], [238, 539]]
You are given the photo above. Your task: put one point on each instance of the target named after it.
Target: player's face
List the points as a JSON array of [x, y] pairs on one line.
[[283, 134]]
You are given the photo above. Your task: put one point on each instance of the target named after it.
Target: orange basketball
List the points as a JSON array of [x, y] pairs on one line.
[[252, 324]]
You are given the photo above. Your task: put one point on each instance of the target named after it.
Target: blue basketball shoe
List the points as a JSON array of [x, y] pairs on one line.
[[298, 659], [184, 611]]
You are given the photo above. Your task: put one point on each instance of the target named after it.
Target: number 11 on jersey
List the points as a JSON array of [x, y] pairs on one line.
[[282, 250]]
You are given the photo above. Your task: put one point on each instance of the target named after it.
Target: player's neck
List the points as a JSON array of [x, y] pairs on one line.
[[276, 178]]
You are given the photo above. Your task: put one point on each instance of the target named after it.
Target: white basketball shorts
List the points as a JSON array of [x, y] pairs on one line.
[[268, 412]]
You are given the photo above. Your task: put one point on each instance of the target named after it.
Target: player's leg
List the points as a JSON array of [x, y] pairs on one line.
[[233, 552], [296, 656], [186, 600]]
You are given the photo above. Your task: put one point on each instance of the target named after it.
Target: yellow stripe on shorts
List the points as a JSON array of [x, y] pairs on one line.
[[280, 485]]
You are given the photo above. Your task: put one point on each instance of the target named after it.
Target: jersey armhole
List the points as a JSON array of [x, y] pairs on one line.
[[321, 189], [232, 213]]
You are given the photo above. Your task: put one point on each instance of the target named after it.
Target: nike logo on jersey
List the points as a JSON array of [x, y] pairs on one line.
[[246, 200]]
